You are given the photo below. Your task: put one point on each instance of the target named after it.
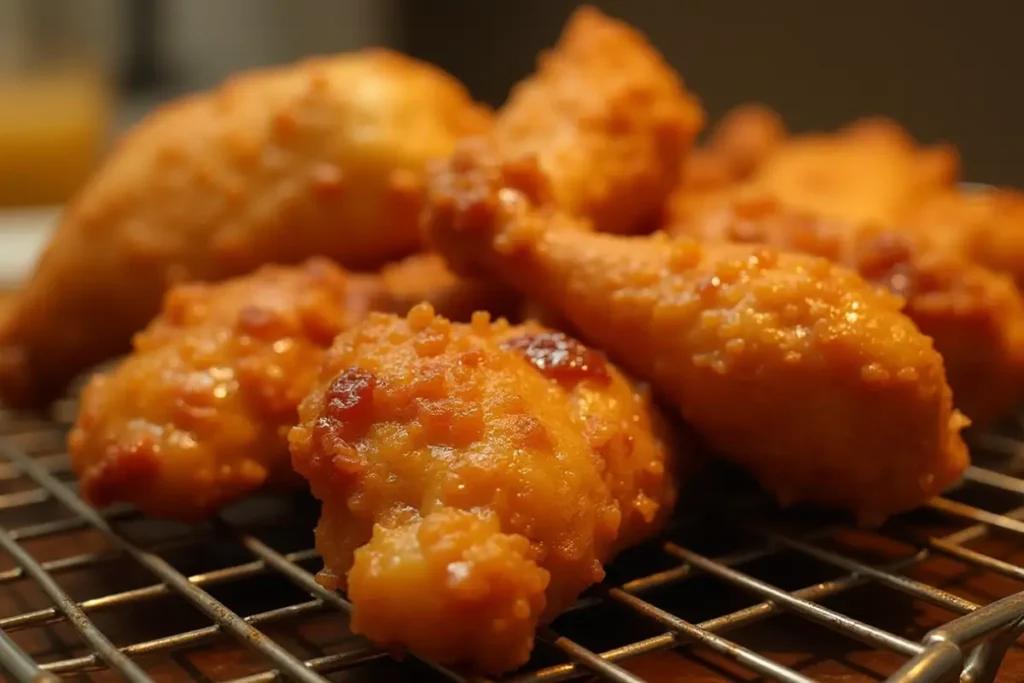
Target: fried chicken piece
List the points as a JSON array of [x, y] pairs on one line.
[[745, 137], [426, 277], [870, 171], [607, 119], [984, 225], [321, 158], [974, 315], [737, 146], [197, 416], [474, 479], [788, 365]]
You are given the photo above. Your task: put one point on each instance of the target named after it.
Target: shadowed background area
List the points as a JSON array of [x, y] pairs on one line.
[[947, 71]]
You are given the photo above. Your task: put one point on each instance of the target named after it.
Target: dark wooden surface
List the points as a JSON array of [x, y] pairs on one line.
[[285, 525]]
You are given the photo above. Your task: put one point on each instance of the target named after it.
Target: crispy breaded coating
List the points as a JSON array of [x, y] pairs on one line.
[[984, 225], [320, 158], [790, 366], [474, 478], [196, 416], [607, 119], [869, 171], [975, 315]]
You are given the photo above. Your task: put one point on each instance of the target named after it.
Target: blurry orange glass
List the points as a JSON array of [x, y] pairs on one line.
[[55, 97]]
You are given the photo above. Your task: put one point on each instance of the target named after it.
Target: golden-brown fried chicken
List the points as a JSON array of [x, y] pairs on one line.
[[426, 277], [320, 158], [196, 417], [975, 315], [985, 225], [474, 478], [794, 368], [607, 119], [737, 146], [870, 171]]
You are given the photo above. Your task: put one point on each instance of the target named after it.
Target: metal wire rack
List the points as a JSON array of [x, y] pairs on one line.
[[737, 589]]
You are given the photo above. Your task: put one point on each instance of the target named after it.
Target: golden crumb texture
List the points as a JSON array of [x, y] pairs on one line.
[[324, 157], [797, 369], [475, 475]]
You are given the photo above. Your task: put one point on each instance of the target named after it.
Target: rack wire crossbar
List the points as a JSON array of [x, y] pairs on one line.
[[971, 643]]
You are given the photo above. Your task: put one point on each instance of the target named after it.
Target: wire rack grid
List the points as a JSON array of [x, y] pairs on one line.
[[110, 596]]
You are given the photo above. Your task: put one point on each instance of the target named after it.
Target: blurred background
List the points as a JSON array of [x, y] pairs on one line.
[[74, 73]]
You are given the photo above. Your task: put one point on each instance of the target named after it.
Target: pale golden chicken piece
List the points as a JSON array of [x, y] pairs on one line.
[[474, 479], [196, 417], [607, 119], [974, 315], [869, 171], [320, 158], [985, 225], [788, 365]]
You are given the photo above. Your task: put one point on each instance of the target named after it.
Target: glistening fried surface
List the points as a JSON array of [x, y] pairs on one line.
[[196, 417], [606, 118], [790, 366], [319, 158], [975, 315], [474, 478]]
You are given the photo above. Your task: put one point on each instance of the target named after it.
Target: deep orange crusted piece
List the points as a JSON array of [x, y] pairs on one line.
[[793, 367], [474, 479]]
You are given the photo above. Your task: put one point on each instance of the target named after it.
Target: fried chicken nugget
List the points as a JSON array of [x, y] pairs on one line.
[[196, 417], [320, 158], [975, 316], [790, 366], [474, 478], [870, 171], [984, 225], [607, 119]]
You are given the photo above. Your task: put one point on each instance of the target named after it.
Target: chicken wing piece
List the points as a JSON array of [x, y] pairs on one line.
[[794, 368], [321, 158], [196, 417], [870, 171], [974, 315], [607, 119], [474, 478], [984, 225]]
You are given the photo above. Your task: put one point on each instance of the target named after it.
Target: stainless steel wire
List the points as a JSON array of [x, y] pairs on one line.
[[970, 646], [165, 572]]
